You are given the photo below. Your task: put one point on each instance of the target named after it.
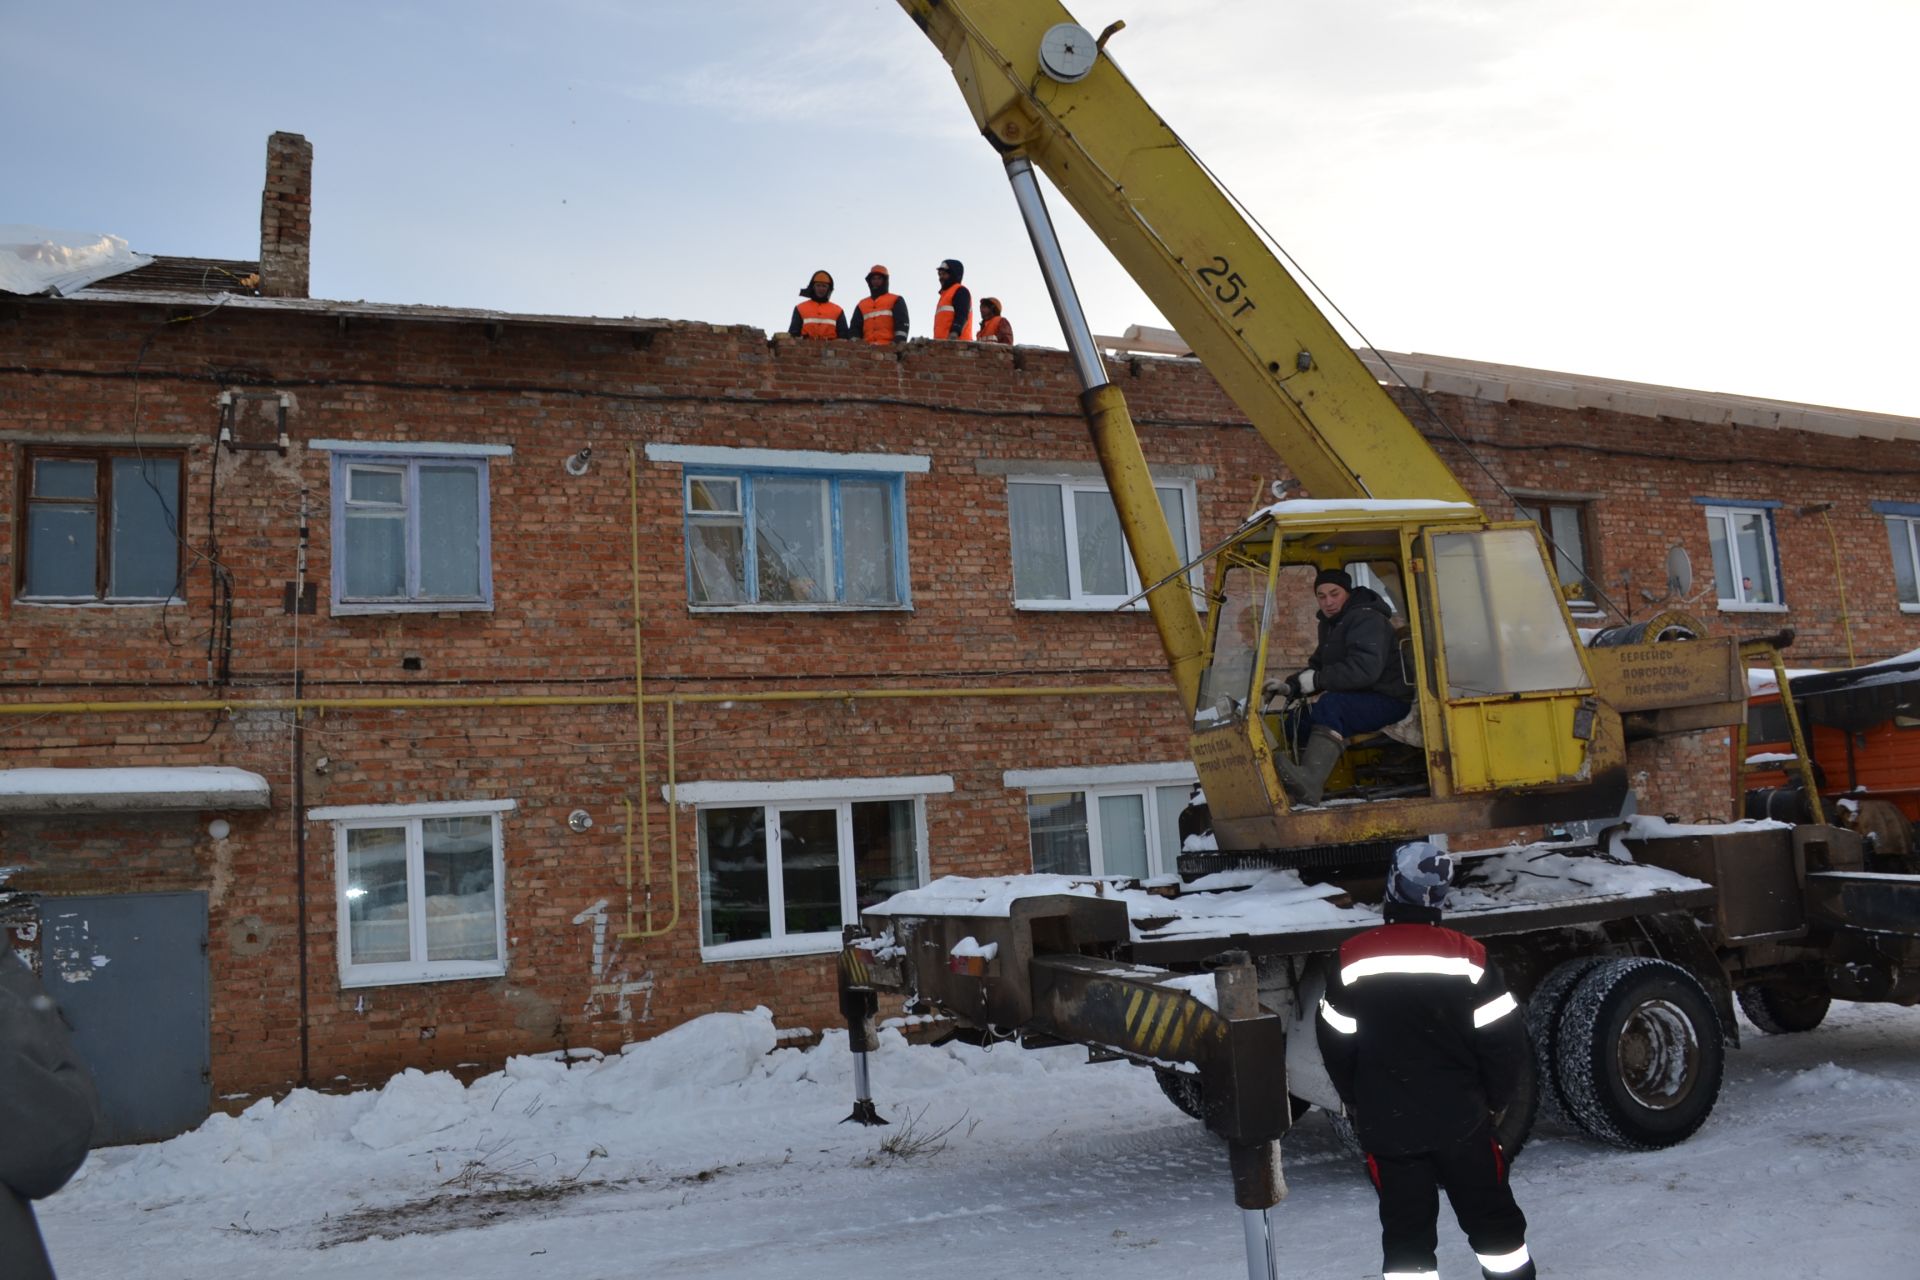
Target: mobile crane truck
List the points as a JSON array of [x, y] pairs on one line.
[[1628, 949]]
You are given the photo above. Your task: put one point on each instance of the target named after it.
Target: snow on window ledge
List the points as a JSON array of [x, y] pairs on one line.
[[806, 944]]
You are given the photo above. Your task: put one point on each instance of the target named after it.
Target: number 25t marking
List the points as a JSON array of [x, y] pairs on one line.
[[1227, 284]]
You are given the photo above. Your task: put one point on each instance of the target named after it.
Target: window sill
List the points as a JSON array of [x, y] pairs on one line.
[[1910, 608], [800, 608], [94, 602], [340, 609], [1079, 606], [397, 975], [809, 944], [1734, 606]]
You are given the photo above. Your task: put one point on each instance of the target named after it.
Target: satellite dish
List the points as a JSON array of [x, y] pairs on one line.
[[1679, 573]]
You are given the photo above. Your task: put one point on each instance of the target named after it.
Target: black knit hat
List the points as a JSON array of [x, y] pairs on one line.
[[1338, 577]]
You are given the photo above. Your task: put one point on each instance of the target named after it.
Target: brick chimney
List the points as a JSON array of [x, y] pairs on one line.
[[286, 217]]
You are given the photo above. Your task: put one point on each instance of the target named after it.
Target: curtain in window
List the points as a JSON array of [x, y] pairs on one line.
[[866, 534], [1123, 835], [1039, 542], [1103, 551], [377, 910], [449, 532], [790, 531]]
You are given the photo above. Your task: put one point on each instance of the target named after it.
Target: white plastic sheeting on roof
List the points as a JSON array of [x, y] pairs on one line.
[[130, 790], [45, 260]]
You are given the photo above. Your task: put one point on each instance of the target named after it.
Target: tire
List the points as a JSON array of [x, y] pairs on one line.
[[1782, 1010], [1544, 1007], [1639, 1054]]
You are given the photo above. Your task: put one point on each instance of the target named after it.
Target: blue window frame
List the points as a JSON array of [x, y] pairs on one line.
[[410, 534], [790, 539]]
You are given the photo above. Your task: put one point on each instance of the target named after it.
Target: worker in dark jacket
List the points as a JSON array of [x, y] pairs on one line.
[[816, 317], [1355, 670], [1425, 1045], [881, 317], [46, 1115], [953, 313]]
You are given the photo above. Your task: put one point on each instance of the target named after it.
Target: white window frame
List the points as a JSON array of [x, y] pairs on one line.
[[839, 795], [1910, 526], [1725, 512], [1078, 600], [407, 461], [410, 817], [1115, 780]]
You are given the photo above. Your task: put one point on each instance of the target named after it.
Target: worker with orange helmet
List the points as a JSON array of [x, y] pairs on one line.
[[881, 317], [993, 325], [953, 317], [816, 317]]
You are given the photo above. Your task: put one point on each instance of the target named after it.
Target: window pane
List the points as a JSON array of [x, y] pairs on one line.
[[733, 876], [377, 895], [376, 555], [1725, 586], [457, 857], [1123, 835], [450, 532], [1569, 551], [884, 861], [146, 542], [1103, 552], [1756, 564], [1173, 504], [60, 549], [866, 536], [718, 552], [1500, 623], [790, 531], [1057, 826], [1169, 803], [365, 484], [63, 477], [810, 869], [1900, 540], [1039, 542], [713, 493]]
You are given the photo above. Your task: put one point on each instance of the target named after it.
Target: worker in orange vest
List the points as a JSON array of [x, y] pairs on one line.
[[953, 317], [880, 318], [993, 325], [816, 317]]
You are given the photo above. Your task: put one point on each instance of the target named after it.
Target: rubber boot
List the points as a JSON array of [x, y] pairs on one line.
[[1305, 781]]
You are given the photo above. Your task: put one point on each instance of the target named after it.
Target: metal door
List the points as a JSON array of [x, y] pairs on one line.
[[130, 972]]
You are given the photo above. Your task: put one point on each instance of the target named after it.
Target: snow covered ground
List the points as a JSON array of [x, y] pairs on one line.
[[708, 1153]]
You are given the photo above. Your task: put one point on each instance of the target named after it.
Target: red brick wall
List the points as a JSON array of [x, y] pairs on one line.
[[562, 626]]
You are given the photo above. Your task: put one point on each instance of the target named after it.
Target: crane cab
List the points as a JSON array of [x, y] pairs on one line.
[[1505, 728]]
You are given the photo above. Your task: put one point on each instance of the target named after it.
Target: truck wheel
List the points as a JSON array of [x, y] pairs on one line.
[[1544, 1007], [1639, 1055], [1183, 1091], [1778, 1010]]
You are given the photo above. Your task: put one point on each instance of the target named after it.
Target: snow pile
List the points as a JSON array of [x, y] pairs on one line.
[[1829, 1079], [44, 260]]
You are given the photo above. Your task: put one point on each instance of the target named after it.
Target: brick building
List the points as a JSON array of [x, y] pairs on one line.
[[384, 632]]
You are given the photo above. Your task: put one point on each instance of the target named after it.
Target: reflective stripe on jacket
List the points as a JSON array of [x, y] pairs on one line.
[[875, 318], [954, 298], [996, 330], [821, 319]]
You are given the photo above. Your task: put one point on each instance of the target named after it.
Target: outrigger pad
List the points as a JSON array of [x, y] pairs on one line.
[[864, 1113]]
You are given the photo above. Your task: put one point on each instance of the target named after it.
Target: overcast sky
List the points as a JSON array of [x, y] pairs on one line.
[[1717, 194]]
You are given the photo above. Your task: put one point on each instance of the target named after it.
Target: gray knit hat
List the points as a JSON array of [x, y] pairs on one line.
[[1422, 873]]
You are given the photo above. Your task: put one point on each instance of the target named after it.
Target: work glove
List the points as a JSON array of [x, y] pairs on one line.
[[1300, 683]]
